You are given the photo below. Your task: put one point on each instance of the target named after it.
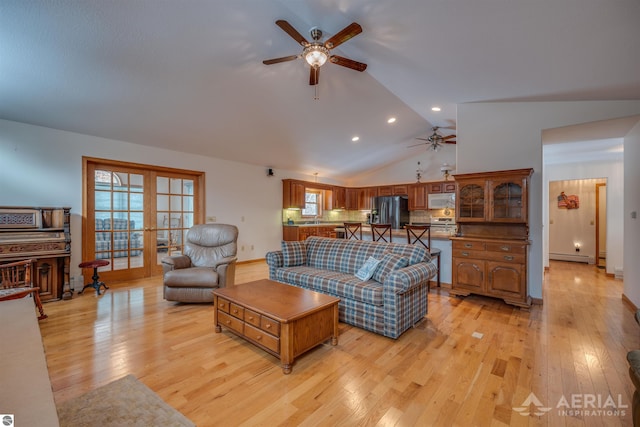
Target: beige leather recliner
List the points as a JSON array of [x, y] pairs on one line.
[[208, 262]]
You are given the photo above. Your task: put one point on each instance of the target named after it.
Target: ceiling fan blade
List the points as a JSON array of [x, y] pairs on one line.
[[292, 32], [450, 142], [342, 36], [314, 75], [448, 137], [415, 145], [277, 60], [423, 139], [349, 63]]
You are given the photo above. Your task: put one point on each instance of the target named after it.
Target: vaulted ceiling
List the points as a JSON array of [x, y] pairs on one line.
[[188, 75]]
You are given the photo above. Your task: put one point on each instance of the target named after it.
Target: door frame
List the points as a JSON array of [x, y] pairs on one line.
[[88, 246], [598, 185]]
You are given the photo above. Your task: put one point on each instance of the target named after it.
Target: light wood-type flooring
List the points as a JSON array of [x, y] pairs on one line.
[[570, 351]]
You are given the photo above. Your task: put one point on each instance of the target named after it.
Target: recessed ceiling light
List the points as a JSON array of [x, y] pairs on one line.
[[435, 109], [355, 139], [391, 120]]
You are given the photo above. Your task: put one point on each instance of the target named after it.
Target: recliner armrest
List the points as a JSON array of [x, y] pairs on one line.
[[175, 262], [223, 261]]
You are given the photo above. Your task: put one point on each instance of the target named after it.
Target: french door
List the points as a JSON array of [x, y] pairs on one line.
[[134, 215]]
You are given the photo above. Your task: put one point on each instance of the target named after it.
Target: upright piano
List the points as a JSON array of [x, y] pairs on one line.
[[42, 234]]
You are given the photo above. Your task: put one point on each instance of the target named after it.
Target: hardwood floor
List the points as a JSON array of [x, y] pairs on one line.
[[438, 373]]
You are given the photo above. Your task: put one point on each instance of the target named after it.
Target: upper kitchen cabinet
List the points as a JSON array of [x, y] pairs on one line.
[[393, 190], [441, 187], [293, 194], [352, 198], [339, 197], [418, 196], [493, 196], [366, 198]]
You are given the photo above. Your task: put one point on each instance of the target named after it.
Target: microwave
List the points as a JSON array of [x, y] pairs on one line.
[[442, 201]]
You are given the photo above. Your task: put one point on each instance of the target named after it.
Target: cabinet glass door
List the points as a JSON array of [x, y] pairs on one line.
[[507, 201], [471, 202]]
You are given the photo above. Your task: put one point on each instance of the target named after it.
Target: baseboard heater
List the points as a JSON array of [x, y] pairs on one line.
[[570, 257]]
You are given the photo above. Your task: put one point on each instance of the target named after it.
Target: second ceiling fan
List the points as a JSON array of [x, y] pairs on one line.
[[317, 53], [435, 140]]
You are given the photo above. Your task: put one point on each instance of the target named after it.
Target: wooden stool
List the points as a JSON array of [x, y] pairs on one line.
[[96, 283], [422, 234], [381, 232]]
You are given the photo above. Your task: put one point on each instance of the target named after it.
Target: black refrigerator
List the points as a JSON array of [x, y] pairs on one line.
[[392, 210]]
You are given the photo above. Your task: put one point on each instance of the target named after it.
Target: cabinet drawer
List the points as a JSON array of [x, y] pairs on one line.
[[466, 253], [230, 322], [270, 325], [468, 245], [261, 337], [223, 305], [505, 257], [252, 317], [236, 311], [515, 248]]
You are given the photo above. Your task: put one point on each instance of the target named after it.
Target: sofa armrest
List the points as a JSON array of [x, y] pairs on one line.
[[406, 278], [226, 272], [175, 262], [275, 259]]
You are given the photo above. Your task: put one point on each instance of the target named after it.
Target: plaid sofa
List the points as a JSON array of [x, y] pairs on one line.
[[389, 303], [120, 231]]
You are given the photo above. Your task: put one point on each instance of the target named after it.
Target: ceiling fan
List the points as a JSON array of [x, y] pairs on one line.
[[435, 140], [317, 53]]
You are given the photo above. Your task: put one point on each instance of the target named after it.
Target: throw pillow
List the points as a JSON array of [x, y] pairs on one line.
[[294, 253], [389, 263], [368, 268]]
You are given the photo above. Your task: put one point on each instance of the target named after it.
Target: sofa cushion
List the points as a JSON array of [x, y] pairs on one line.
[[368, 268], [334, 283], [388, 264], [294, 253]]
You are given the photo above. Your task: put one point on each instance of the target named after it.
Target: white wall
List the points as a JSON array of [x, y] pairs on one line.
[[613, 171], [632, 225], [507, 135], [43, 167], [568, 227]]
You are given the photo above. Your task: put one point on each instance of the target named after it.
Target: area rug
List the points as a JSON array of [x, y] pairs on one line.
[[124, 402]]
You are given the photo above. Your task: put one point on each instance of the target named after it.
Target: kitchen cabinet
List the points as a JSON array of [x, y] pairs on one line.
[[441, 187], [293, 194], [352, 199], [418, 196], [366, 198], [490, 250], [393, 190], [339, 198], [295, 233]]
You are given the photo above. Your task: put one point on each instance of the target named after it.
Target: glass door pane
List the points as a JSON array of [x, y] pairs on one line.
[[174, 214]]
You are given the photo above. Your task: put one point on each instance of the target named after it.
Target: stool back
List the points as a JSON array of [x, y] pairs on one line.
[[353, 230], [419, 234], [381, 232]]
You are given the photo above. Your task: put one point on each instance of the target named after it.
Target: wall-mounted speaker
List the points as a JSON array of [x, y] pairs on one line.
[[270, 172]]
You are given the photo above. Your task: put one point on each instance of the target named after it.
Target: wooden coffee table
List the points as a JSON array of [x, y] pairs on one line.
[[283, 320]]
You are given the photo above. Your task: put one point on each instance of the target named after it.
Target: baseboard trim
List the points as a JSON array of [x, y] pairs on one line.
[[252, 261], [627, 301], [536, 301]]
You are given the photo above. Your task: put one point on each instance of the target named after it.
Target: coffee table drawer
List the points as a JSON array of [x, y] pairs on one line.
[[223, 305], [270, 325], [236, 311], [230, 322], [252, 317], [262, 338]]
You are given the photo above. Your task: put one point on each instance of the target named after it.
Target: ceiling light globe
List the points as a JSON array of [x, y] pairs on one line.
[[316, 55]]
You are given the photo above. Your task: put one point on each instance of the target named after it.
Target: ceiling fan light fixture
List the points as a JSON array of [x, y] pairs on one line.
[[315, 55]]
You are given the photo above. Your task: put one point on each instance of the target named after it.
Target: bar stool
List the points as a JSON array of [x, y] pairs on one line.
[[96, 279], [350, 230], [381, 232], [422, 234]]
